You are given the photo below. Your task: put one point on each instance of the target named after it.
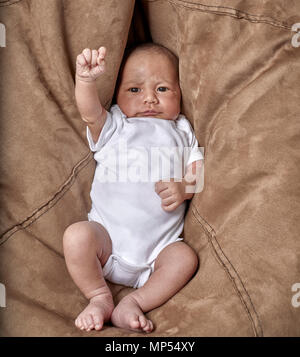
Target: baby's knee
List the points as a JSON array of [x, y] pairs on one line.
[[189, 259], [77, 236]]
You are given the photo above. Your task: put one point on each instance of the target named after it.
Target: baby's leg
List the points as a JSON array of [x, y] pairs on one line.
[[173, 268], [87, 247]]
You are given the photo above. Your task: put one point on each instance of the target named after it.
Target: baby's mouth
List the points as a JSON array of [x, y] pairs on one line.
[[149, 113]]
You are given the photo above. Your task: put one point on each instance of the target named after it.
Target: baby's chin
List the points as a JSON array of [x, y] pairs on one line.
[[156, 116], [150, 115]]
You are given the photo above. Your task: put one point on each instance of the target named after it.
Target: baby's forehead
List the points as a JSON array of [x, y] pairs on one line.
[[153, 53], [151, 57]]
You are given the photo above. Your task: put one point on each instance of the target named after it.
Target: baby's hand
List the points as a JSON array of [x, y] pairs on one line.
[[172, 194], [90, 64]]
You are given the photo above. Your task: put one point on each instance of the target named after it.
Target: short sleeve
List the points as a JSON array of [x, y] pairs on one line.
[[112, 123], [192, 152]]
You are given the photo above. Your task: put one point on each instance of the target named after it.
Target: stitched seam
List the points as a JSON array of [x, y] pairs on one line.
[[191, 3], [211, 235], [9, 3], [196, 6], [233, 13], [220, 261], [44, 208]]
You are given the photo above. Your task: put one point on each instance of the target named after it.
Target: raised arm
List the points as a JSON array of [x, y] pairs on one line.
[[90, 64]]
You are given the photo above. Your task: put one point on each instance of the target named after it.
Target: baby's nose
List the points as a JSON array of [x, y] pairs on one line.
[[150, 97]]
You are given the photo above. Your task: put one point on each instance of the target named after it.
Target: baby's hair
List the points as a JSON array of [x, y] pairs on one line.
[[152, 47]]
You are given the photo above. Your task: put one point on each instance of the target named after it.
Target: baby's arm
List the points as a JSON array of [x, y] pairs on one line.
[[90, 64], [173, 193]]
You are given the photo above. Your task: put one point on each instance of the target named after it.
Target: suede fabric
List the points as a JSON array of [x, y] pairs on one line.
[[240, 81]]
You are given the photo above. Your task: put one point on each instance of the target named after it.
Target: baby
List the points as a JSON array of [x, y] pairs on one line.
[[132, 236]]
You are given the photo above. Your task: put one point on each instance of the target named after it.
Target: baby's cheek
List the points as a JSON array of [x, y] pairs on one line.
[[127, 105]]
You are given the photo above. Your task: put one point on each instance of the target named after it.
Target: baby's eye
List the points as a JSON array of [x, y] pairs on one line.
[[162, 89], [134, 90]]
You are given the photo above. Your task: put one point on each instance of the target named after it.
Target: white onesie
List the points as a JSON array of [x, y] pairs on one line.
[[132, 154]]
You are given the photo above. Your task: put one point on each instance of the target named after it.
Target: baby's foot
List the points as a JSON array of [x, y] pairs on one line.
[[128, 315], [97, 312]]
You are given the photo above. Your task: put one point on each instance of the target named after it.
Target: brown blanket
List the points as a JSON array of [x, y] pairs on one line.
[[240, 79]]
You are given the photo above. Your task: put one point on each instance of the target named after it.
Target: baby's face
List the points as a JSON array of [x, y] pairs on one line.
[[149, 87]]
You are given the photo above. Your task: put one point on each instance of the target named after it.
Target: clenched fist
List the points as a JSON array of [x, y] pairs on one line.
[[172, 193], [90, 64]]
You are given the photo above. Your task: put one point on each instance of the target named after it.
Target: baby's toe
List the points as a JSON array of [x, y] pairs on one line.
[[86, 323], [145, 324], [135, 323], [143, 321], [97, 322], [90, 322], [77, 323], [149, 327], [80, 324]]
